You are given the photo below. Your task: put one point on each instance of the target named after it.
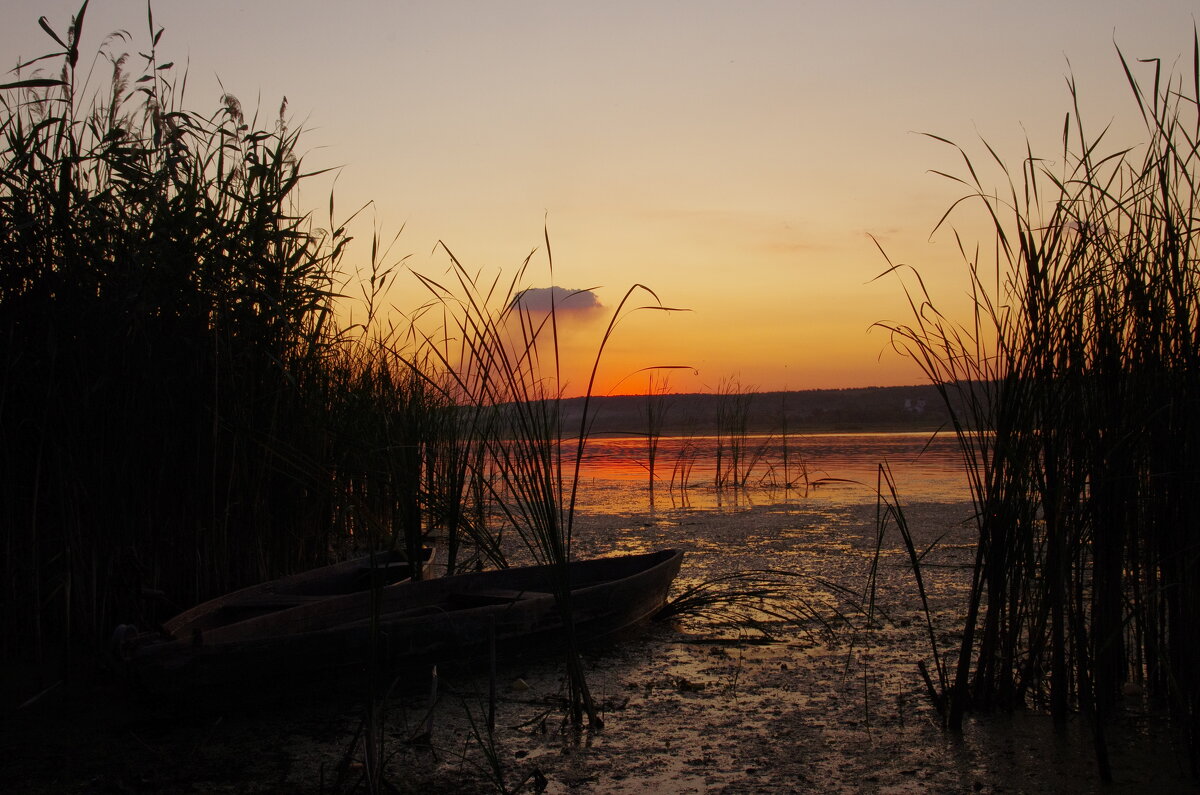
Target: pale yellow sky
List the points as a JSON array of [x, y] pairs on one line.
[[734, 157]]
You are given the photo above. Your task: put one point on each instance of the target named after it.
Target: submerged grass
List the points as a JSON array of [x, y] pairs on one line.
[[1075, 396], [755, 601]]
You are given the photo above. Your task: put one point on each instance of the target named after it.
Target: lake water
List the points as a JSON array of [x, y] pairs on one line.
[[841, 468], [829, 701]]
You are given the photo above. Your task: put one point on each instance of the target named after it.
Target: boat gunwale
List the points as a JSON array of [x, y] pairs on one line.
[[630, 569]]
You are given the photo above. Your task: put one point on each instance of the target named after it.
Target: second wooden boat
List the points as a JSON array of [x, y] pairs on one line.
[[445, 619]]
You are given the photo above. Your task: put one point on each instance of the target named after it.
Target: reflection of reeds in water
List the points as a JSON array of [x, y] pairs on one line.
[[1079, 380], [755, 601]]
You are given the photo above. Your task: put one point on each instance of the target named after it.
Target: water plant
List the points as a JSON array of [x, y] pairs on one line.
[[681, 472], [733, 410], [1074, 391], [755, 601], [128, 222], [654, 413], [180, 411], [506, 368]]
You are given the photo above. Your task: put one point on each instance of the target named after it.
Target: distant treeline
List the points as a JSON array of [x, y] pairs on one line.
[[868, 409], [181, 413]]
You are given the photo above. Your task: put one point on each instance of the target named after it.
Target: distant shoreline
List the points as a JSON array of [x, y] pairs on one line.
[[892, 409], [807, 431]]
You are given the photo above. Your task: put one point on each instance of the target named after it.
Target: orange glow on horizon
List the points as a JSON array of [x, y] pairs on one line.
[[721, 162]]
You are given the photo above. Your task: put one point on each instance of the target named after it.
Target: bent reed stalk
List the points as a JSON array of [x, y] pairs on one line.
[[1075, 396], [504, 369]]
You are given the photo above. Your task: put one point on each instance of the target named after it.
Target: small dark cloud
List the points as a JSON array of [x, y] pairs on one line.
[[542, 299]]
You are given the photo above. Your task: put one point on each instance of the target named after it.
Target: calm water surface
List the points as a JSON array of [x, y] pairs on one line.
[[839, 468]]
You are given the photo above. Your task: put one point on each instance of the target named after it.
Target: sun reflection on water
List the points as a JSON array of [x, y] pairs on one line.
[[832, 469]]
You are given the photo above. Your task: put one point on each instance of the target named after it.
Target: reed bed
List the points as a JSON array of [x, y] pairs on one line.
[[1075, 395], [180, 414], [185, 408]]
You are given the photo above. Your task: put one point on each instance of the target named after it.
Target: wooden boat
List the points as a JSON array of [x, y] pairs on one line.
[[337, 592], [245, 637]]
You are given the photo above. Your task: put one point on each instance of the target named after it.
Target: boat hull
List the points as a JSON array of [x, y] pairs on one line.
[[456, 619]]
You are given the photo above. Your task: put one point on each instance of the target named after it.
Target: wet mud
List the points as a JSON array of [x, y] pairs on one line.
[[832, 702]]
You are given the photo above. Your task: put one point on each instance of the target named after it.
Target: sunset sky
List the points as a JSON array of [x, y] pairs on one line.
[[735, 157]]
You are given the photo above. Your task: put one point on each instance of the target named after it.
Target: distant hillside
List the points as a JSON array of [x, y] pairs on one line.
[[896, 408]]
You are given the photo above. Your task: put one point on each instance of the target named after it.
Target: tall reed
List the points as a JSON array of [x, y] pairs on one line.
[[654, 414], [505, 369], [179, 412], [734, 404], [1075, 395]]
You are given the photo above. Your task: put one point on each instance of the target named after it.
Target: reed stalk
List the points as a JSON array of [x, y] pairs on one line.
[[506, 369], [180, 412], [1074, 393], [654, 414], [681, 471]]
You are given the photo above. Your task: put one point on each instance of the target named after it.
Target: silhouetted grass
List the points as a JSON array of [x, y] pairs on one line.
[[179, 412], [733, 435], [1075, 394], [504, 368], [657, 405], [757, 600]]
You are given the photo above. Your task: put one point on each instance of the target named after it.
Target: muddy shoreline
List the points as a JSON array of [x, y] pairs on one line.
[[689, 705]]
